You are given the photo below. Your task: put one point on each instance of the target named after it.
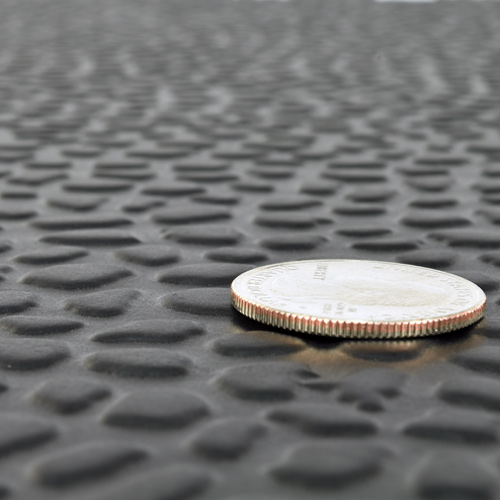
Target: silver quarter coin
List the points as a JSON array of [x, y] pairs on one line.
[[357, 298]]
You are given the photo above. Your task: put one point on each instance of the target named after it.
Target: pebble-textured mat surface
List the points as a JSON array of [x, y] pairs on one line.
[[150, 151]]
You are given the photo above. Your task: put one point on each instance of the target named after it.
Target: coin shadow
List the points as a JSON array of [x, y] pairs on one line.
[[354, 354]]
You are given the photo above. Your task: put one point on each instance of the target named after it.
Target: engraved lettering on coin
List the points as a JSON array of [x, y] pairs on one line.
[[363, 299]]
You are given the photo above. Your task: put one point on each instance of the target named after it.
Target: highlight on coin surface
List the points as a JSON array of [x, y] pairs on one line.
[[357, 298]]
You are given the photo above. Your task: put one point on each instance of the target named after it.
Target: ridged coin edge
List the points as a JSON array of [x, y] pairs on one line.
[[355, 329]]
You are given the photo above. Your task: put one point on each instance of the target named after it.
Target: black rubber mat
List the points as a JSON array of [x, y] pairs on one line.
[[150, 151]]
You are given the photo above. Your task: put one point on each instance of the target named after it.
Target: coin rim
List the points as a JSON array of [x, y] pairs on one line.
[[352, 328]]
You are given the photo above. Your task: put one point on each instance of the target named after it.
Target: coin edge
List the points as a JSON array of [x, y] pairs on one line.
[[332, 327]]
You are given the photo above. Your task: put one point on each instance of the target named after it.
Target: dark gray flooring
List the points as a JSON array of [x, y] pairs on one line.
[[150, 151]]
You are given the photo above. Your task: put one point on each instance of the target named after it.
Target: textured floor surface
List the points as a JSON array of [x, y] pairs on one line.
[[150, 151]]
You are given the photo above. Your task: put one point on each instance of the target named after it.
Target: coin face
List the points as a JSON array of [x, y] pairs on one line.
[[357, 298]]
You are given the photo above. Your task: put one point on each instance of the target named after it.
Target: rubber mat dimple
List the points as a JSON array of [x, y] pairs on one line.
[[69, 395], [150, 152], [329, 466]]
